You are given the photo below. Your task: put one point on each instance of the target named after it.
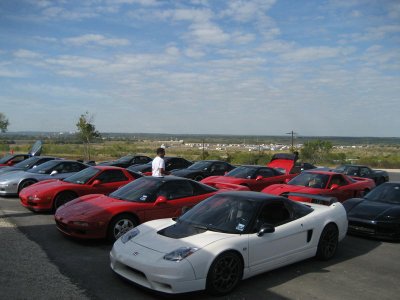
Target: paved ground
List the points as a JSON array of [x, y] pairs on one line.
[[36, 262]]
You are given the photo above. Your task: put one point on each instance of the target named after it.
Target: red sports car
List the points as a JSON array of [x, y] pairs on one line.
[[254, 177], [145, 199], [51, 194], [324, 183]]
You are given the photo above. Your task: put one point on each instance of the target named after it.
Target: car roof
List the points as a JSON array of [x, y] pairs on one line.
[[314, 171], [254, 196], [167, 178], [107, 167]]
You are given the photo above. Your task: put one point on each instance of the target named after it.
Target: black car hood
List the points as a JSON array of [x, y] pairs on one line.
[[186, 172], [371, 210], [140, 168]]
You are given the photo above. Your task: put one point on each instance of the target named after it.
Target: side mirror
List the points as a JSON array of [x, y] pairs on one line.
[[96, 182], [287, 180], [259, 177], [160, 200], [334, 186], [265, 228], [54, 172], [10, 163]]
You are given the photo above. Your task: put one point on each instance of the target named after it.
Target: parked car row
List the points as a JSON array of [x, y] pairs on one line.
[[214, 228]]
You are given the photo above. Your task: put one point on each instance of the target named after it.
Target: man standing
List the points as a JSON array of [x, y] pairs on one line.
[[158, 164]]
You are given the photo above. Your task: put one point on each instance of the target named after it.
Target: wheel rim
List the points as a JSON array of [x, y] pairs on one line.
[[329, 243], [226, 273], [121, 227]]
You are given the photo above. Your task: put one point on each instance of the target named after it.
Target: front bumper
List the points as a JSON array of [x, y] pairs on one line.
[[36, 205], [375, 229], [94, 230], [147, 268], [8, 189]]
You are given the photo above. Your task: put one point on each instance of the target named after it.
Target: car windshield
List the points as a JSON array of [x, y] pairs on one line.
[[387, 192], [83, 176], [5, 158], [340, 169], [308, 179], [222, 213], [27, 163], [200, 165], [124, 159], [45, 167], [242, 172], [140, 190]]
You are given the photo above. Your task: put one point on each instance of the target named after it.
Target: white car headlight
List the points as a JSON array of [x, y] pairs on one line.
[[129, 235], [180, 253]]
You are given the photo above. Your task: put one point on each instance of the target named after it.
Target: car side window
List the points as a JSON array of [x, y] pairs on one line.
[[364, 172], [338, 180], [275, 213], [352, 171], [112, 176], [18, 159], [176, 189], [264, 173]]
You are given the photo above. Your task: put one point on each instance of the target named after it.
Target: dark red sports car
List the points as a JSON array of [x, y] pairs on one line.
[[51, 194], [254, 177], [12, 159], [323, 183], [145, 199]]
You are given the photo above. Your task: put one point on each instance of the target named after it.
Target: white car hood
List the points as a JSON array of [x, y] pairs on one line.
[[157, 242]]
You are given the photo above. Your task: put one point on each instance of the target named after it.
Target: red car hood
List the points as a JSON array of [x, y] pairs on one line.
[[44, 186], [286, 164], [88, 205], [222, 179], [278, 189]]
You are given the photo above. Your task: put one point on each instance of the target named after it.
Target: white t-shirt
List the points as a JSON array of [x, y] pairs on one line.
[[157, 164]]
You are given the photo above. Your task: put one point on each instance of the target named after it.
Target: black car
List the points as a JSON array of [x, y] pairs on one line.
[[127, 161], [377, 214], [203, 169], [171, 163], [378, 176]]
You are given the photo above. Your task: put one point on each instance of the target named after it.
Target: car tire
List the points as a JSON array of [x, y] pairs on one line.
[[119, 225], [328, 242], [224, 274], [25, 183], [63, 198]]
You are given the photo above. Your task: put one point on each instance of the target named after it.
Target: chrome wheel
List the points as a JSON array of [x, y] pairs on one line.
[[120, 225]]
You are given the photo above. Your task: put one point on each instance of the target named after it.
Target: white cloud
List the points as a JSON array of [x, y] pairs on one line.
[[207, 33], [314, 53], [23, 53], [93, 39]]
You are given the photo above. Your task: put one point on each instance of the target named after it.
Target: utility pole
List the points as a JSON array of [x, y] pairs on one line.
[[292, 133]]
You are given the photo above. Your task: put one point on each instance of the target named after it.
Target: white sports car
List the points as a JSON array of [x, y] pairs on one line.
[[226, 238]]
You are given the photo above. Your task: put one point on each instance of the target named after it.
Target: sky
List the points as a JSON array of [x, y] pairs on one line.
[[247, 67]]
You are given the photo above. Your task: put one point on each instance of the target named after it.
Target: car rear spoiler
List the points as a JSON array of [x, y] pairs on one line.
[[317, 199]]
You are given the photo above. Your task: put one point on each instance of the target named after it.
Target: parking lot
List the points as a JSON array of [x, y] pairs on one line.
[[36, 261]]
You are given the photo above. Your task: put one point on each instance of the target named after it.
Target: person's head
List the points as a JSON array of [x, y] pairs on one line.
[[160, 152]]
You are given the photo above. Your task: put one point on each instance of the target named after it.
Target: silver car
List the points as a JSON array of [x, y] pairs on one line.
[[11, 183], [27, 164]]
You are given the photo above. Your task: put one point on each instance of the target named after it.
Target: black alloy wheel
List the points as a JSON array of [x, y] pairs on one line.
[[328, 242], [224, 274]]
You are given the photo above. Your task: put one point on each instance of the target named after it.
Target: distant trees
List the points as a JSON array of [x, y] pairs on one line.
[[316, 151], [87, 132], [3, 122]]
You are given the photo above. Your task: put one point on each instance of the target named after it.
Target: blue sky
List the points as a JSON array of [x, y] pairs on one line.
[[256, 67]]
